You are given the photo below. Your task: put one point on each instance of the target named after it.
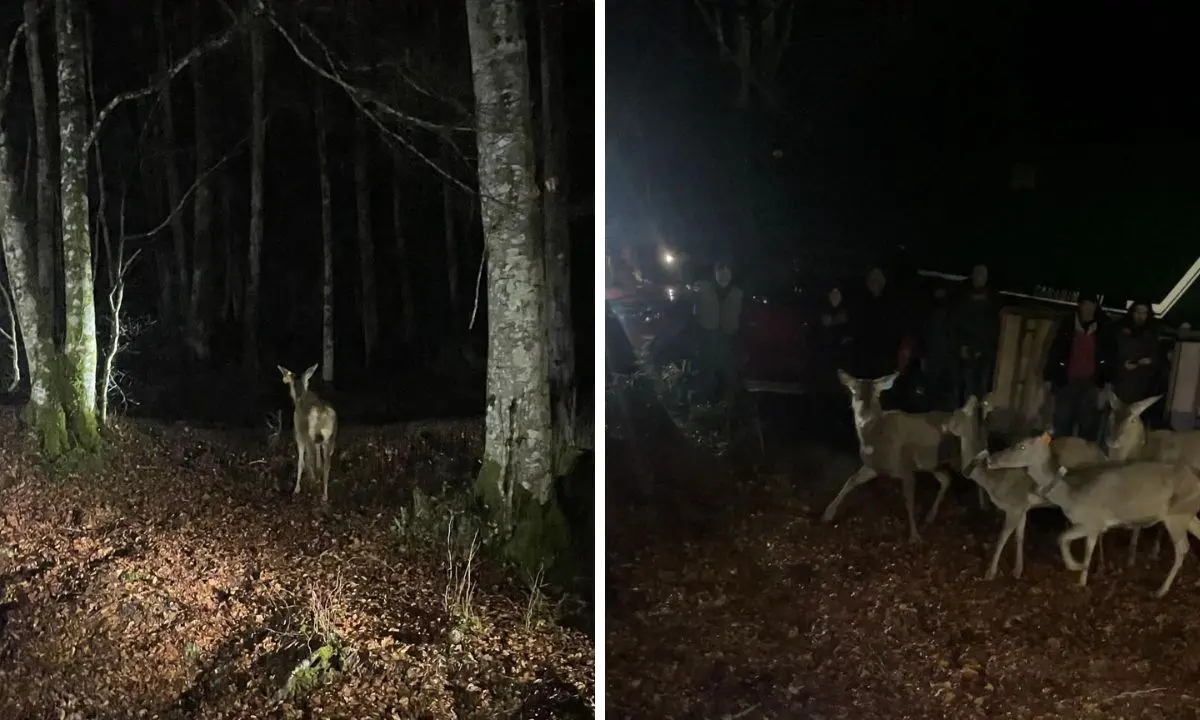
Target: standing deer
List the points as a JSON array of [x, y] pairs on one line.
[[314, 427], [892, 444]]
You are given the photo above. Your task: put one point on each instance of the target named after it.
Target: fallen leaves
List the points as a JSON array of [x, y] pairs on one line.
[[179, 583]]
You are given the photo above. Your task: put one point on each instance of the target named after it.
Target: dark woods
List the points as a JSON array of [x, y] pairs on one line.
[[286, 136]]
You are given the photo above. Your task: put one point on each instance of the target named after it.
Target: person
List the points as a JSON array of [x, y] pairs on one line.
[[974, 335], [875, 330], [937, 356], [1079, 364], [718, 312], [1139, 362], [835, 332]]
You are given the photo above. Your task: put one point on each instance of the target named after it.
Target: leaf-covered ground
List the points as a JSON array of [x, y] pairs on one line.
[[179, 582], [728, 598]]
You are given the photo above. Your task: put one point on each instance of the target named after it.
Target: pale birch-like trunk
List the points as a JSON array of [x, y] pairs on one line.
[[12, 337], [79, 348], [45, 180], [557, 238], [448, 225], [326, 237], [258, 142], [366, 244], [515, 479], [197, 332], [174, 189], [408, 310]]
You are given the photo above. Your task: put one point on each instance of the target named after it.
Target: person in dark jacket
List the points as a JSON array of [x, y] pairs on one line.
[[1080, 362], [937, 355], [834, 333], [975, 334], [876, 331], [1139, 361]]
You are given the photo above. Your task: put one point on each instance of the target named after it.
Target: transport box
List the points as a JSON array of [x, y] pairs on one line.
[[1183, 391], [1018, 393]]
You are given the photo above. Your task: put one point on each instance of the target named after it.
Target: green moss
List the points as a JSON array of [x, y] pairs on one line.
[[540, 538], [487, 489]]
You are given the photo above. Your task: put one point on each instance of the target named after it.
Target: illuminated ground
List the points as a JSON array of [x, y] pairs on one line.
[[728, 599], [181, 583]]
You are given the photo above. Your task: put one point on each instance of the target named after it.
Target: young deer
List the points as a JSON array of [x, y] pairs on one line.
[[1011, 490], [892, 444], [1100, 497], [314, 427]]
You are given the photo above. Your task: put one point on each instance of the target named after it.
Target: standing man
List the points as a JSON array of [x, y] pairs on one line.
[[1079, 364], [719, 313], [974, 335], [875, 329], [1139, 361]]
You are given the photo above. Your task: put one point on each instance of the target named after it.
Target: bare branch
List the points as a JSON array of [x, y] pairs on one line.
[[214, 44], [478, 282], [357, 97], [187, 195], [6, 90]]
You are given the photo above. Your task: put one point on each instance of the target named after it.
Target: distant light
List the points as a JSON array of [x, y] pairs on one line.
[[671, 294], [668, 258]]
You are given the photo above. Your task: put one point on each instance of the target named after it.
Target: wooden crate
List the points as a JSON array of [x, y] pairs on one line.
[[1018, 393]]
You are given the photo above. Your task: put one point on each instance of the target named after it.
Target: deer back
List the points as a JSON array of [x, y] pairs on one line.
[[314, 418], [899, 438], [1129, 493]]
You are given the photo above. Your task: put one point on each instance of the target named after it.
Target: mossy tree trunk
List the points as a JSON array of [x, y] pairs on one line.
[[515, 480], [45, 247], [79, 348]]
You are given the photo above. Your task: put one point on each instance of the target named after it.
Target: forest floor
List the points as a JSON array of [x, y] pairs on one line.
[[727, 597], [184, 581]]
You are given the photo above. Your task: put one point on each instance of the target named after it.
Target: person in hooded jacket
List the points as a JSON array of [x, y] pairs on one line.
[[975, 335], [1139, 362]]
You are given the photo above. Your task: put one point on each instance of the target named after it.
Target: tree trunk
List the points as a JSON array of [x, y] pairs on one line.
[[41, 121], [366, 245], [451, 239], [12, 338], [515, 480], [231, 306], [79, 349], [258, 141], [408, 310], [326, 237], [174, 191], [557, 240], [197, 333]]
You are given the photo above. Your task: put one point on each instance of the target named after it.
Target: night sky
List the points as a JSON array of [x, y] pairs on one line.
[[901, 127]]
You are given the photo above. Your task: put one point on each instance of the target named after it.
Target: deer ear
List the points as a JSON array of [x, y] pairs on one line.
[[885, 382], [1046, 437], [971, 404], [844, 378], [1141, 406], [309, 373], [284, 372]]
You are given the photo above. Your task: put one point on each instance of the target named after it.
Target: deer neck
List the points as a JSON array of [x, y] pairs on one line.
[[1048, 476], [867, 424], [969, 445]]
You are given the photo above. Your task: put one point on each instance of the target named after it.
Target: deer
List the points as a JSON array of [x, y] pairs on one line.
[[1099, 497], [892, 444], [314, 427], [1011, 489], [1126, 438]]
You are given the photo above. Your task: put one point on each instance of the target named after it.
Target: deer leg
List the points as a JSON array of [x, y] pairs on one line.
[[1010, 525], [1019, 566], [1178, 531], [863, 475], [326, 463], [944, 480], [1133, 543], [1158, 538], [983, 497], [299, 466], [908, 483], [1092, 541], [1064, 547]]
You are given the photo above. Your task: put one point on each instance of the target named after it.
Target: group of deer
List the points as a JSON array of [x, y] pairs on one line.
[[1136, 479]]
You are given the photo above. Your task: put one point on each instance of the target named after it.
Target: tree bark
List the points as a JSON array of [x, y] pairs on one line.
[[557, 240], [515, 479], [258, 141], [408, 310], [326, 237], [366, 244], [79, 349], [451, 239], [41, 121], [231, 306], [197, 333], [174, 189]]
